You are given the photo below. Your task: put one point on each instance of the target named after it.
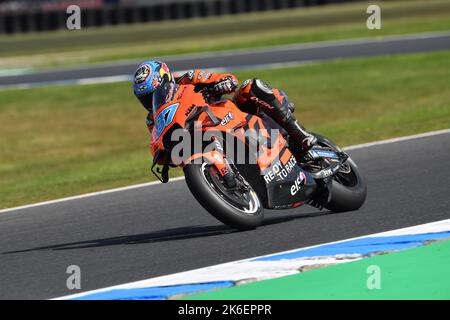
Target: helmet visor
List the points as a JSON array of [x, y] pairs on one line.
[[146, 101]]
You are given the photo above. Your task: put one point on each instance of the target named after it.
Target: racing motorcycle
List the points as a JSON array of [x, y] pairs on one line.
[[236, 186]]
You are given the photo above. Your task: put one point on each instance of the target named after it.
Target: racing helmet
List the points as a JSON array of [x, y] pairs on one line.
[[148, 77]]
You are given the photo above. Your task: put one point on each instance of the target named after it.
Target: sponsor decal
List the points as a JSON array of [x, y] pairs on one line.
[[180, 94], [224, 170], [190, 74], [142, 73], [280, 171], [327, 173], [165, 118], [323, 154], [163, 71], [246, 83], [207, 76], [260, 102], [156, 81], [142, 88], [228, 117], [298, 183], [189, 110]]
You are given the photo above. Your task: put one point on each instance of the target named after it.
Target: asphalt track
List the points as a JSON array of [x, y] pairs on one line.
[[156, 230], [424, 42]]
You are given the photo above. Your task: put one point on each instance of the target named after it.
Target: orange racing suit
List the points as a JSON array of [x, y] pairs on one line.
[[255, 97]]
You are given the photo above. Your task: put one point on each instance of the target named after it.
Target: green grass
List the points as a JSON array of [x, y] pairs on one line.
[[331, 22], [61, 141], [413, 274]]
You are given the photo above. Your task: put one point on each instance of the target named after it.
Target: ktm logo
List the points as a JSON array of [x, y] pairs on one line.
[[189, 110]]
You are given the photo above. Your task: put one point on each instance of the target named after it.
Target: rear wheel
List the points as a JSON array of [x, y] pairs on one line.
[[238, 207], [349, 188]]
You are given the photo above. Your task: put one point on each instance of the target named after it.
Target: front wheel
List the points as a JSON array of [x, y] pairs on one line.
[[348, 191], [237, 207]]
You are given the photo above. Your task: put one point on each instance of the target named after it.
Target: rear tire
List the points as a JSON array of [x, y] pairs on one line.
[[213, 199]]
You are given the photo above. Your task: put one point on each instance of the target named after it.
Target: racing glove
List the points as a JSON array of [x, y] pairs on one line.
[[215, 83], [225, 85]]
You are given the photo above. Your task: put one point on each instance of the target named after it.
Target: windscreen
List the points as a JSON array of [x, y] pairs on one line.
[[162, 95]]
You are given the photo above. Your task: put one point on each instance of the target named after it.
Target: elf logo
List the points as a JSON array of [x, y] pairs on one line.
[[298, 183], [228, 117]]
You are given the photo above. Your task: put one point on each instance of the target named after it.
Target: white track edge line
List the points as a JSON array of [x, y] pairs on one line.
[[273, 48], [398, 139], [87, 195], [270, 49]]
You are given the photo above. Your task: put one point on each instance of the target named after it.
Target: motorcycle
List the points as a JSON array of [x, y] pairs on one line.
[[234, 186]]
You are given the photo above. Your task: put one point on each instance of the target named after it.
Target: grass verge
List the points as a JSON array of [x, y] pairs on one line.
[[331, 22], [61, 141], [413, 274]]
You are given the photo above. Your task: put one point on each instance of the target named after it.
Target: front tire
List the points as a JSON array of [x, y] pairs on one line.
[[348, 197], [205, 185], [349, 188]]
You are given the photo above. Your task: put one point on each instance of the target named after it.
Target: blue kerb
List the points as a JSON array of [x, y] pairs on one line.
[[361, 246], [154, 293]]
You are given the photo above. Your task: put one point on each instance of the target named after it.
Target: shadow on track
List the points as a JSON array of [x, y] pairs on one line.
[[180, 233]]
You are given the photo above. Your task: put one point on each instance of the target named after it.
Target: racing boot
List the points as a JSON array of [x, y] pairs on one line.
[[300, 141]]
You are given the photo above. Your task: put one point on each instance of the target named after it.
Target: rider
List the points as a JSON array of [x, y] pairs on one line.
[[254, 96]]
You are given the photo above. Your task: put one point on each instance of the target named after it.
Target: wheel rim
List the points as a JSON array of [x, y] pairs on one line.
[[248, 202], [346, 176]]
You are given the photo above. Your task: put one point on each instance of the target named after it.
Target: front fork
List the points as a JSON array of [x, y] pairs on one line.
[[324, 180], [217, 158]]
